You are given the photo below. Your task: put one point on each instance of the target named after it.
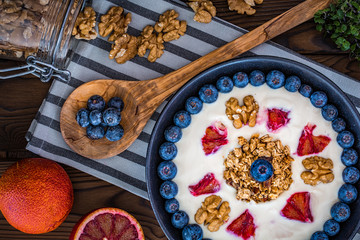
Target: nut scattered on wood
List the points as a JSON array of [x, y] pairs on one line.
[[242, 115], [85, 25], [238, 164], [243, 6], [124, 48], [213, 213], [319, 170], [115, 22], [204, 10]]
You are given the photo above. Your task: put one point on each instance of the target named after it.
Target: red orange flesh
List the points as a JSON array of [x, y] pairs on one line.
[[107, 224]]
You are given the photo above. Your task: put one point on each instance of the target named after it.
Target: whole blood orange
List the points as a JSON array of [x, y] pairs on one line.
[[107, 224], [36, 195]]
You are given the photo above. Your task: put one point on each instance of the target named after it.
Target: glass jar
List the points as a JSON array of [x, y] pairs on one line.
[[40, 29]]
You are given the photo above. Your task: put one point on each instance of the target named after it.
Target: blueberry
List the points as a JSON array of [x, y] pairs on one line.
[[224, 84], [319, 235], [261, 170], [182, 119], [172, 205], [82, 117], [208, 93], [349, 157], [193, 105], [318, 99], [347, 193], [96, 102], [167, 170], [305, 90], [111, 116], [329, 112], [292, 83], [114, 133], [192, 232], [116, 102], [338, 124], [345, 139], [168, 189], [173, 134], [340, 212], [95, 117], [351, 175], [257, 78], [331, 227], [168, 151], [179, 219], [240, 79], [275, 79], [95, 132]]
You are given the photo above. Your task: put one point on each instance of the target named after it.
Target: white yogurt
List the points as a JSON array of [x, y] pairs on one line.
[[192, 164]]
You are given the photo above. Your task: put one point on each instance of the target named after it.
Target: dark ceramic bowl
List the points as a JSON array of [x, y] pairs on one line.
[[265, 64]]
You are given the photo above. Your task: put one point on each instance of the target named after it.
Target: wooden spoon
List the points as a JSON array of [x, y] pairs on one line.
[[143, 97]]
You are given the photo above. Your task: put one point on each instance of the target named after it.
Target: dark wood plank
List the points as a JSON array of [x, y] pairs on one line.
[[20, 99]]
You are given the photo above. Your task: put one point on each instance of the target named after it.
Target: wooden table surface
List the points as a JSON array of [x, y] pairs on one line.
[[20, 99]]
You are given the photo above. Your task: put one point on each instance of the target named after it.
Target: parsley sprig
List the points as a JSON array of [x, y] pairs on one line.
[[341, 22]]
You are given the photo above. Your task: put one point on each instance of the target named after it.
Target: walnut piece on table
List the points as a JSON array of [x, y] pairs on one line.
[[124, 48], [204, 10], [213, 213], [85, 25], [319, 169], [171, 27], [115, 22], [243, 6], [152, 41]]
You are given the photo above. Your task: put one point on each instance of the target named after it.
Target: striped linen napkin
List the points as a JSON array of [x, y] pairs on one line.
[[90, 62]]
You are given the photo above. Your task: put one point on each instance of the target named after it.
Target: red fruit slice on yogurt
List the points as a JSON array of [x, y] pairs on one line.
[[214, 138], [243, 226], [298, 208], [277, 118], [310, 144], [208, 184]]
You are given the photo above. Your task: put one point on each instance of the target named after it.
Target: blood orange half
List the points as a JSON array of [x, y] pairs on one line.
[[107, 224]]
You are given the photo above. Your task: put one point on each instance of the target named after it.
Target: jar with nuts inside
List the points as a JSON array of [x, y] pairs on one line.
[[40, 32]]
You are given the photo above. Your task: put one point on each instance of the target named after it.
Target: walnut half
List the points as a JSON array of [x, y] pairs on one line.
[[85, 25], [319, 170], [213, 213], [204, 10], [243, 6]]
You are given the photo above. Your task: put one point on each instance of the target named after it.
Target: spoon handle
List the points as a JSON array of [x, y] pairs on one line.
[[171, 82]]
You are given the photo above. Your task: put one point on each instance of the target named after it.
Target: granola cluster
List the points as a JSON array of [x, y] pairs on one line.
[[242, 115], [213, 213], [238, 164], [318, 169]]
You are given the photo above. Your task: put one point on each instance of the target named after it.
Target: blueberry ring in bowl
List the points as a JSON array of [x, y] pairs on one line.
[[252, 75]]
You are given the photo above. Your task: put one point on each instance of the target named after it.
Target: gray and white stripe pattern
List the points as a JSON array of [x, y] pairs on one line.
[[90, 62]]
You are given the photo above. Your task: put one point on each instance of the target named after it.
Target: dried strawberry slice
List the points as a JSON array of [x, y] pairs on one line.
[[208, 184], [298, 207], [309, 144], [214, 138], [243, 226], [277, 118]]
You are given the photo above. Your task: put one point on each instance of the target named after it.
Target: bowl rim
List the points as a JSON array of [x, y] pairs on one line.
[[243, 60]]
